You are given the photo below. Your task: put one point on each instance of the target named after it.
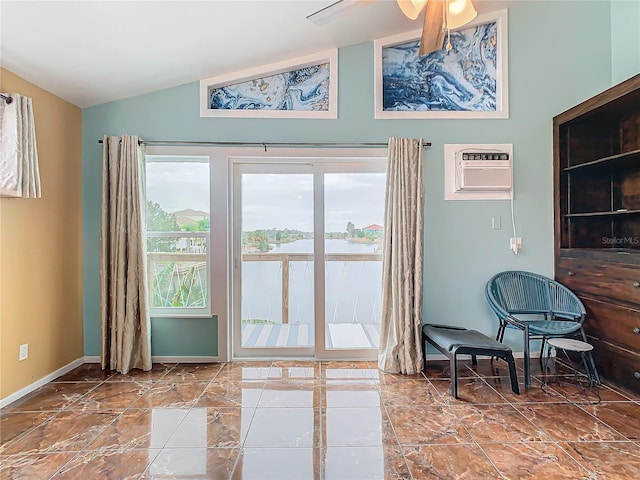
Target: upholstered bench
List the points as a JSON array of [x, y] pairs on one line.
[[454, 341]]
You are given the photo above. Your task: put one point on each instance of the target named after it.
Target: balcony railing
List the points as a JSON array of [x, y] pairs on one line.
[[179, 279], [285, 260]]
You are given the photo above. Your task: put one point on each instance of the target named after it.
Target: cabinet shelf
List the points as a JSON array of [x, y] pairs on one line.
[[621, 160], [602, 214], [624, 256], [597, 222]]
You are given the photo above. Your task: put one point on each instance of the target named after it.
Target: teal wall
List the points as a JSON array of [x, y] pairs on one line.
[[193, 337], [625, 39], [559, 55]]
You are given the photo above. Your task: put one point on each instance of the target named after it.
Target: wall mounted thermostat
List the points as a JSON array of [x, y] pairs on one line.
[[478, 171]]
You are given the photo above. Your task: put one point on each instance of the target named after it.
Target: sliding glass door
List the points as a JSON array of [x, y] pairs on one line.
[[307, 258], [276, 304], [353, 219]]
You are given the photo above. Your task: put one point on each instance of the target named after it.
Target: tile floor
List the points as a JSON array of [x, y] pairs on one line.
[[312, 420]]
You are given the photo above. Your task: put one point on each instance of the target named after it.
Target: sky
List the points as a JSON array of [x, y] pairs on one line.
[[273, 200]]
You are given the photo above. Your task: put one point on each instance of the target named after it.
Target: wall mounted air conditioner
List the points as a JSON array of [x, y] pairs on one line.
[[482, 171], [478, 171]]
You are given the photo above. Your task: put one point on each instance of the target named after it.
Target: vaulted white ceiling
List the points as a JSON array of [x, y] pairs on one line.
[[91, 52]]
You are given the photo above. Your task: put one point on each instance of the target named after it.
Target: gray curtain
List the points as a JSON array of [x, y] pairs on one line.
[[125, 323], [400, 330]]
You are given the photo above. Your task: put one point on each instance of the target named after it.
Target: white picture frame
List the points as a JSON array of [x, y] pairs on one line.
[[328, 56], [501, 97]]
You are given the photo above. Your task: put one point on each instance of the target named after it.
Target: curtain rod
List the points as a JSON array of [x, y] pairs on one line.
[[6, 98], [267, 144]]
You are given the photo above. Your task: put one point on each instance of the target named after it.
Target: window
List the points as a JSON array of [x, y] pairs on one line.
[[178, 235]]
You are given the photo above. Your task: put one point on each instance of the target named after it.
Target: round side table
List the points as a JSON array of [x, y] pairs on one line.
[[573, 345]]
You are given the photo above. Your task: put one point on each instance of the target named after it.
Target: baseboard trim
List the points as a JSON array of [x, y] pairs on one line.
[[39, 383], [188, 359], [176, 359], [165, 359]]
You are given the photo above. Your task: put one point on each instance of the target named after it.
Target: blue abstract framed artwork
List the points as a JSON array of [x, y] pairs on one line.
[[469, 81], [304, 87]]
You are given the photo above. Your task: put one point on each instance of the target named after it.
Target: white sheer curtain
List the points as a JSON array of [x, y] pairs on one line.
[[125, 323], [400, 338], [19, 170]]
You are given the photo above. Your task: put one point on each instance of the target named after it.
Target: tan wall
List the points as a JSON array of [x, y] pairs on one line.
[[41, 249]]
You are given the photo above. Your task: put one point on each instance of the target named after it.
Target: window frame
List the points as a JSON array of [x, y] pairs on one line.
[[319, 163], [182, 312], [221, 163]]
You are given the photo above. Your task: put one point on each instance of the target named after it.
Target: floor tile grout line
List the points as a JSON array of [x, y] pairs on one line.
[[321, 390], [130, 407], [395, 434], [65, 405], [59, 470], [384, 405], [241, 446], [592, 474], [443, 404], [193, 405], [83, 449], [95, 452], [543, 431], [490, 460], [566, 400], [604, 423], [566, 396], [625, 438], [151, 461], [48, 451], [506, 400], [15, 439], [536, 427], [195, 400]]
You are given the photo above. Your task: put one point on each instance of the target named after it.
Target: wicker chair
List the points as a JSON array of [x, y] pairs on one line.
[[538, 306]]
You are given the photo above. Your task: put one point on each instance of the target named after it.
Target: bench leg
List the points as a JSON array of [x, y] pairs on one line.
[[474, 360], [454, 375], [512, 373]]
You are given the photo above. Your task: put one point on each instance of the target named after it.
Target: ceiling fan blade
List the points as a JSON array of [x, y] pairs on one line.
[[432, 32]]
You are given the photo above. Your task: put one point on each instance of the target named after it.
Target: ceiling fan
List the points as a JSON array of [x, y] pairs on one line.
[[441, 17]]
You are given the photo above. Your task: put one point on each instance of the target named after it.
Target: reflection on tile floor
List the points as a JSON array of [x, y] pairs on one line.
[[317, 420]]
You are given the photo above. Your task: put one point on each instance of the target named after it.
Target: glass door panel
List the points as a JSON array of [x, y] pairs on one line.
[[354, 228], [277, 306]]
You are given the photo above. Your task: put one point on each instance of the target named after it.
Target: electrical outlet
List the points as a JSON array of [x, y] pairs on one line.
[[515, 243], [24, 352]]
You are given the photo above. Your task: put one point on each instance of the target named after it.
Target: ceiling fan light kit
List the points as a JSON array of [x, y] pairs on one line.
[[441, 16], [461, 12], [411, 8]]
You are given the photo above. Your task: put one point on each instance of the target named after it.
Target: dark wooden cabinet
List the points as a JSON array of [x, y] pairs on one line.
[[596, 149]]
